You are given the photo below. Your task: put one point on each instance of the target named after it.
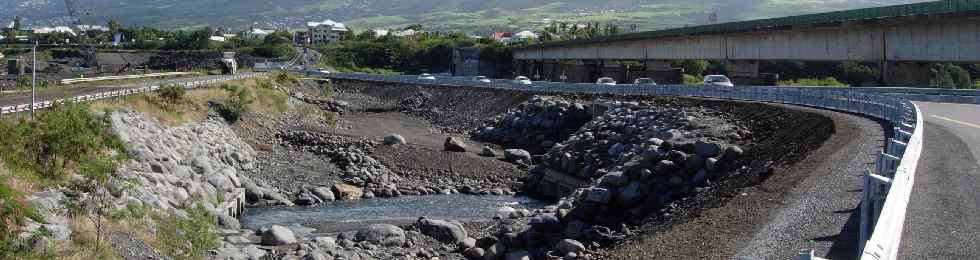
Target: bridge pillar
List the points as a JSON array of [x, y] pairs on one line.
[[660, 71], [613, 70], [576, 72], [551, 70], [904, 74], [743, 72]]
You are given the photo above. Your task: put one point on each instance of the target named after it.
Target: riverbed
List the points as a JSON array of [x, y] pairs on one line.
[[341, 216]]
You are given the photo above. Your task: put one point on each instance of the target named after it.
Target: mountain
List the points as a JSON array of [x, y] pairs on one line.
[[477, 16]]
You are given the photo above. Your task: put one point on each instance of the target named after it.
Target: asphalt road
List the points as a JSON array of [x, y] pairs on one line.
[[943, 218]]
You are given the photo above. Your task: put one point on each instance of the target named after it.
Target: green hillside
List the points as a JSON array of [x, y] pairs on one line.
[[477, 16]]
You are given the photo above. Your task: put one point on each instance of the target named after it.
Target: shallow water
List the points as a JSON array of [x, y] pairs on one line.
[[348, 215]]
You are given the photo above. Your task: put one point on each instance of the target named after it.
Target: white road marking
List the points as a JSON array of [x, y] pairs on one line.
[[958, 121]]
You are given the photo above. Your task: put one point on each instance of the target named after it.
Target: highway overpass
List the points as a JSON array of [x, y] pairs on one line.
[[901, 39]]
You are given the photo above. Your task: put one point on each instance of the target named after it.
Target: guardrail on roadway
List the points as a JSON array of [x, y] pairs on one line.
[[887, 187], [120, 93]]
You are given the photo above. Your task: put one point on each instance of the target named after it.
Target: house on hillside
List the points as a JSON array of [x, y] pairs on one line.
[[378, 33], [325, 32], [501, 36], [406, 33], [255, 34], [525, 35]]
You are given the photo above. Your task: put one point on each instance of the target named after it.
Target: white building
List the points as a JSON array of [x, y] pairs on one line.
[[59, 29], [256, 34], [378, 33], [526, 35], [325, 32]]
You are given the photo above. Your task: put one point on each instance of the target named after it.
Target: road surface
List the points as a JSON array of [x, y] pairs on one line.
[[943, 218]]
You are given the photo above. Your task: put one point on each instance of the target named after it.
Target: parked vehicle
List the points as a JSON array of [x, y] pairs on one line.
[[522, 80], [427, 76], [718, 80], [606, 81], [644, 81], [482, 79]]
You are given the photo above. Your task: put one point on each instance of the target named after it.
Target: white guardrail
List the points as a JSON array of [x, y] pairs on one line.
[[887, 187], [190, 83]]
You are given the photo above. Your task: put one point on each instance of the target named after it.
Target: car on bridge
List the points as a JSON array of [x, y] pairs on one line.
[[645, 81], [522, 80], [718, 80], [427, 76], [481, 79], [606, 81]]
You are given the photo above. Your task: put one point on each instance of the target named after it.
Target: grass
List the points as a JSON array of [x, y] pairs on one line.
[[824, 82], [193, 105]]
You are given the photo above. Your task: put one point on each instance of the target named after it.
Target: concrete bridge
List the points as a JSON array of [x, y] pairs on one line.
[[901, 39]]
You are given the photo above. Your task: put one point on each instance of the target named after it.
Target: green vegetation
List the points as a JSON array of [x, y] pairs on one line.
[[425, 53], [62, 141], [691, 80], [187, 238], [236, 104], [172, 93], [824, 82], [951, 76], [66, 137]]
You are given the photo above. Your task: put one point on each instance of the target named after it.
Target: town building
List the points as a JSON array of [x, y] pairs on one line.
[[325, 32]]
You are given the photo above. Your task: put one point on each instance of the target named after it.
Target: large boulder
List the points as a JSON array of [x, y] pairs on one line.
[[488, 152], [381, 234], [453, 144], [514, 155], [706, 149], [348, 192], [445, 231], [394, 139], [324, 193], [278, 235], [566, 246], [518, 255]]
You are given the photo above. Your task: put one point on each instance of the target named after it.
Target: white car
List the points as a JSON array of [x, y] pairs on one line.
[[522, 80], [606, 81], [718, 80], [482, 79], [427, 76], [644, 81]]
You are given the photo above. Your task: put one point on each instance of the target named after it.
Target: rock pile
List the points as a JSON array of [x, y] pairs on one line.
[[633, 161], [171, 167], [632, 141], [537, 125], [352, 156]]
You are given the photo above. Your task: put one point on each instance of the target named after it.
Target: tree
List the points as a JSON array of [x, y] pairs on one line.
[[278, 37]]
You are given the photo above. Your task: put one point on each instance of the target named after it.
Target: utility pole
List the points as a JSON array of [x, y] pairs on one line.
[[33, 79]]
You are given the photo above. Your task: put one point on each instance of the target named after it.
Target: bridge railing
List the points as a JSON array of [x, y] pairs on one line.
[[186, 83], [887, 187]]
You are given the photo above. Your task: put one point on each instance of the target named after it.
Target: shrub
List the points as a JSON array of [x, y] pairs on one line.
[[65, 135], [824, 82], [172, 94], [13, 212], [187, 238], [286, 78], [691, 80], [236, 104]]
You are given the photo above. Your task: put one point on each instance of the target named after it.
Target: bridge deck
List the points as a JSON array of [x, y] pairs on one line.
[[944, 212]]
